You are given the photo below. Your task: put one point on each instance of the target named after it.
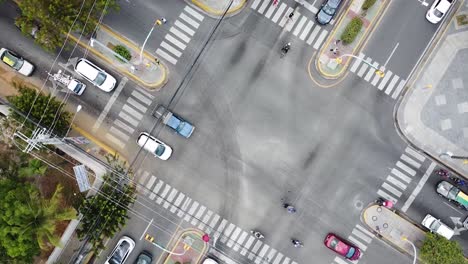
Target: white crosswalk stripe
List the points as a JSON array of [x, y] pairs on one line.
[[340, 261], [279, 13], [361, 235], [156, 189], [396, 182], [415, 154], [371, 71], [171, 49], [233, 237], [313, 35], [387, 196], [358, 243], [410, 161], [270, 11], [184, 27], [398, 89], [194, 13], [400, 175], [363, 68], [391, 189], [299, 26], [357, 62], [404, 167], [392, 84], [179, 34], [320, 39], [189, 20], [227, 232], [385, 79], [240, 241], [306, 30], [291, 22], [166, 56], [263, 7], [176, 42], [365, 231]]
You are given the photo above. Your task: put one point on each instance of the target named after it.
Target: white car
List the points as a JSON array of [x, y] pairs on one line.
[[438, 9], [95, 75], [210, 261], [16, 62], [121, 251], [154, 145], [436, 226]]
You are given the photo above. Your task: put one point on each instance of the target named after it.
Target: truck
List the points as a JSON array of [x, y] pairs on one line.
[[69, 82], [453, 194], [173, 121]]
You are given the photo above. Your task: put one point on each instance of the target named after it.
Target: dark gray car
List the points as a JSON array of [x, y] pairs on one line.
[[327, 11]]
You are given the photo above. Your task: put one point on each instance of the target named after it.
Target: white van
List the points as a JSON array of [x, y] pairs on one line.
[[436, 226]]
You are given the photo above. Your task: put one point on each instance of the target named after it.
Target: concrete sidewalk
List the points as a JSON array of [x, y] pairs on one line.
[[393, 228], [217, 8], [432, 114]]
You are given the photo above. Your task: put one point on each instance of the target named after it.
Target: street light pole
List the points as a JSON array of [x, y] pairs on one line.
[[78, 108], [414, 248], [379, 72], [157, 22]]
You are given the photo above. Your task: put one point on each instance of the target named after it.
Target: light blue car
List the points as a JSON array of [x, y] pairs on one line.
[[181, 126]]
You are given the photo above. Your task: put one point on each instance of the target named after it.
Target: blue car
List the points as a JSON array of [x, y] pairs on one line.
[[175, 122], [327, 11]]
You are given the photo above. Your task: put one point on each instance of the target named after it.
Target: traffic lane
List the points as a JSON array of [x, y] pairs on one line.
[[429, 202], [404, 31]]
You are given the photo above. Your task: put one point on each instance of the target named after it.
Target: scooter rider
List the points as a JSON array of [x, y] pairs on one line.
[[257, 234], [297, 243], [286, 47]]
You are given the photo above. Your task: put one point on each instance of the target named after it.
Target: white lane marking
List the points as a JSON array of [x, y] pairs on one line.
[[132, 112], [377, 78], [136, 104], [227, 232], [255, 4], [361, 235], [184, 27], [392, 84], [176, 42], [241, 239], [263, 6], [367, 232], [138, 95], [166, 56], [410, 161], [299, 26], [415, 154], [285, 17], [392, 189], [320, 39], [278, 13], [179, 34], [313, 34], [419, 187], [270, 11], [293, 21], [385, 79], [400, 175], [146, 229], [171, 49], [306, 30], [124, 126], [371, 71], [404, 167], [156, 189], [109, 104], [391, 54], [278, 258], [398, 89], [194, 13], [363, 67], [357, 62], [189, 20], [115, 140], [128, 118], [396, 182], [247, 245], [387, 196], [119, 134], [358, 243], [233, 237]]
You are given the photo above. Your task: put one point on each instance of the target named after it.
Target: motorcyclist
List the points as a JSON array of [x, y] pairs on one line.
[[257, 234], [286, 47], [291, 209], [297, 243]]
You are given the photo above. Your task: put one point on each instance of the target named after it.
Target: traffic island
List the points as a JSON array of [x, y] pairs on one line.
[[189, 248], [126, 57], [347, 37], [394, 228], [217, 8]]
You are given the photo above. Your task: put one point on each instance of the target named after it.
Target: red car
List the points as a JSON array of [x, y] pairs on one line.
[[342, 247]]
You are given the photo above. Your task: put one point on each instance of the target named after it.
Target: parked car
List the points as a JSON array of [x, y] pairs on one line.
[[16, 62], [453, 194], [210, 261], [121, 251], [175, 122], [327, 11], [342, 247], [438, 10], [68, 81], [154, 145], [144, 258], [95, 75], [436, 226]]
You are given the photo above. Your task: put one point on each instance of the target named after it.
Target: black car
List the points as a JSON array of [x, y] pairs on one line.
[[144, 258], [327, 11]]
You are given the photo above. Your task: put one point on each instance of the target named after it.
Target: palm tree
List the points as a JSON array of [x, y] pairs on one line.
[[45, 214]]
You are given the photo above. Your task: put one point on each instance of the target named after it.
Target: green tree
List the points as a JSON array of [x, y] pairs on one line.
[[438, 250], [56, 17], [35, 167], [105, 213], [49, 109]]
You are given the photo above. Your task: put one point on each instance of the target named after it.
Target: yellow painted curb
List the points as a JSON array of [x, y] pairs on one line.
[[186, 231], [218, 12], [315, 81], [330, 37], [95, 140], [134, 77]]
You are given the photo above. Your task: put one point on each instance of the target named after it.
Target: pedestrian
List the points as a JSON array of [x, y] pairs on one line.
[[158, 62], [291, 15], [335, 50], [337, 41], [163, 20], [275, 3]]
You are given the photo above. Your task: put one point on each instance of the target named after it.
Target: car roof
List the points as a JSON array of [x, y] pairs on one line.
[[338, 244], [443, 5], [210, 261], [149, 142], [87, 68]]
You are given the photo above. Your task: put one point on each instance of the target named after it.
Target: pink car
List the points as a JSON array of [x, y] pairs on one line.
[[342, 247]]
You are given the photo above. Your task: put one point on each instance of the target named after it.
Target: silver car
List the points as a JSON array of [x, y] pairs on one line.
[[121, 251]]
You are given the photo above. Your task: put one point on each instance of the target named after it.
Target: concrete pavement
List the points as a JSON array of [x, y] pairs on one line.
[[217, 7]]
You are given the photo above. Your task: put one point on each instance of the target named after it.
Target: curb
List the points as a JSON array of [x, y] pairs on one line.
[[179, 236], [158, 84], [215, 12], [361, 44]]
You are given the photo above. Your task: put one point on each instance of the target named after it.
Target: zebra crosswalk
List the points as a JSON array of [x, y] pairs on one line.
[[180, 34], [401, 175], [210, 222], [390, 83], [129, 117], [300, 25]]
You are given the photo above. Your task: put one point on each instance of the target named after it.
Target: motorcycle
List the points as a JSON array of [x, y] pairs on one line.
[[385, 203], [291, 209], [257, 234], [285, 49], [297, 243]]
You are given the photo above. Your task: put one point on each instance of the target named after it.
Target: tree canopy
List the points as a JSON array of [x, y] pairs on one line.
[[438, 250], [54, 18]]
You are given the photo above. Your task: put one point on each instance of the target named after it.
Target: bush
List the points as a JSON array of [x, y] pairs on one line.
[[351, 30], [122, 51], [368, 4]]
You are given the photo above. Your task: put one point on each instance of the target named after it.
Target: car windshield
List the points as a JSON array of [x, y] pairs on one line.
[[435, 225], [100, 78], [119, 253], [160, 150], [351, 252], [329, 9], [10, 59], [437, 13], [78, 88]]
